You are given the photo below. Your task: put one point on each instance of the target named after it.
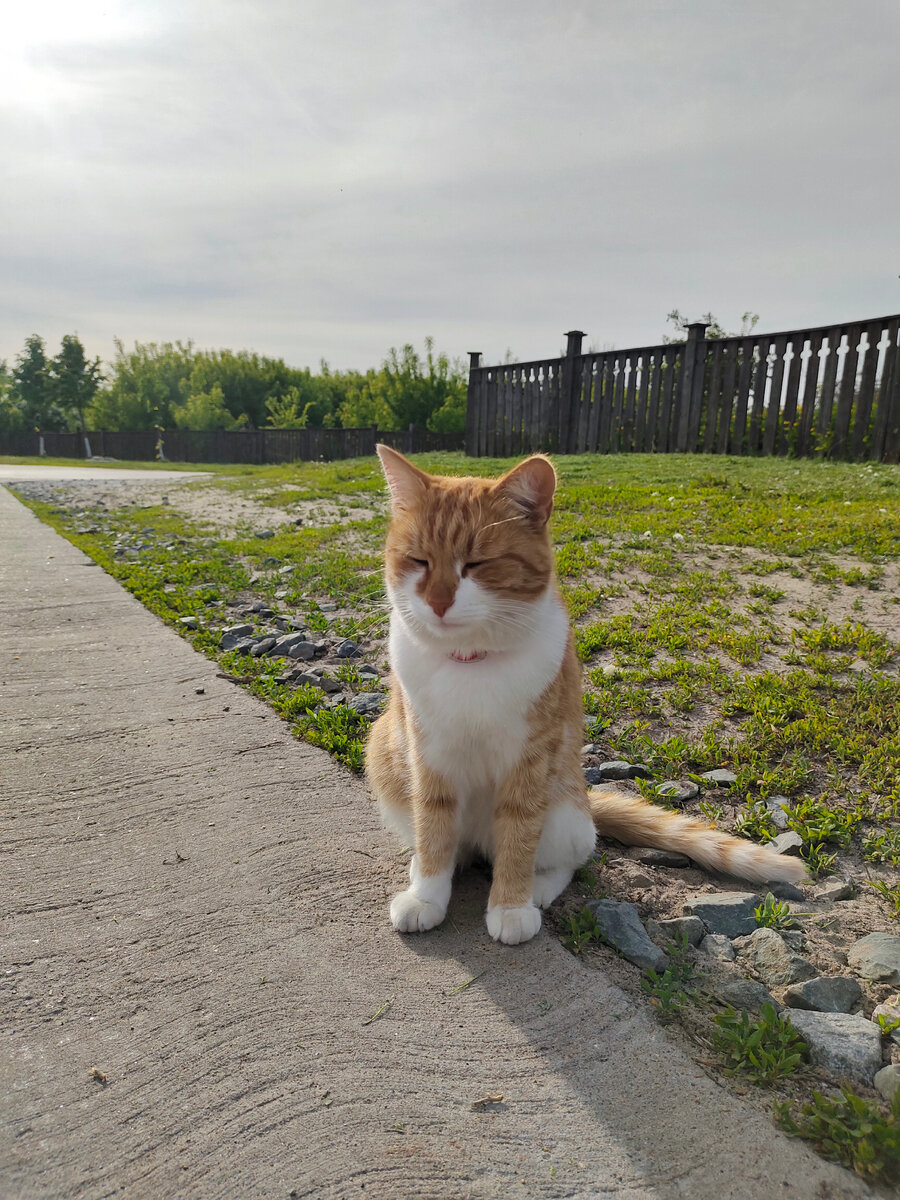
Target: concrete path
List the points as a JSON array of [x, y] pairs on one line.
[[195, 905], [18, 472]]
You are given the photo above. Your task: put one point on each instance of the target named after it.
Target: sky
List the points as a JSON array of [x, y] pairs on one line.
[[329, 179]]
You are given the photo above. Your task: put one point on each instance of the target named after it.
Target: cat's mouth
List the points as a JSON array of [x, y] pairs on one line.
[[475, 656]]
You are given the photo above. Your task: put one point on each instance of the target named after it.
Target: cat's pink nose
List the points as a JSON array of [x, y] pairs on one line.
[[440, 606]]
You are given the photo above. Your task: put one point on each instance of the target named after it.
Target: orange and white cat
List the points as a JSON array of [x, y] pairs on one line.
[[479, 750]]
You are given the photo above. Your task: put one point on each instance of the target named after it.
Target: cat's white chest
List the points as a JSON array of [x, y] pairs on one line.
[[472, 718]]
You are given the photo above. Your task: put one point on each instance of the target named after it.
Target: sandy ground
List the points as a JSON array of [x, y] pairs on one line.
[[196, 944]]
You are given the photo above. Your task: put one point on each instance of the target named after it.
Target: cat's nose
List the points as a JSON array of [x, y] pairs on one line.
[[440, 606]]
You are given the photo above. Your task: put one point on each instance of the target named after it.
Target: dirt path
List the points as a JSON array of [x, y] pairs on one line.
[[195, 906]]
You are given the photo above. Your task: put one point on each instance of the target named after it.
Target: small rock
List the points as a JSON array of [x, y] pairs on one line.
[[782, 890], [189, 622], [779, 807], [263, 646], [285, 645], [678, 793], [677, 927], [232, 635], [367, 703], [264, 534], [787, 843], [617, 769], [589, 747], [739, 993], [324, 682], [244, 646], [720, 777], [718, 947], [348, 649], [367, 671], [282, 593], [877, 957], [260, 606], [835, 890], [730, 913], [890, 1010], [844, 1044], [887, 1081], [271, 562], [662, 858], [774, 960], [825, 993], [621, 926], [328, 608]]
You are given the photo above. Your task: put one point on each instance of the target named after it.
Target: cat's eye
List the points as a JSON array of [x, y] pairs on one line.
[[420, 562], [469, 565]]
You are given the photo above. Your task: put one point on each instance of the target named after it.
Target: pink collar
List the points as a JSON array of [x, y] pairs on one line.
[[475, 656]]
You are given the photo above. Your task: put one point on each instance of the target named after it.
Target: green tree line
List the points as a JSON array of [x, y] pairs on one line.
[[175, 385]]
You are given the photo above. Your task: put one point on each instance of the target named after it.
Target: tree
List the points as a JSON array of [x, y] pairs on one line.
[[73, 381], [285, 411], [11, 418], [714, 333], [144, 387], [32, 388], [206, 410]]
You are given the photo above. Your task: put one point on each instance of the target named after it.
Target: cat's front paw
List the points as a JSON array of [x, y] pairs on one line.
[[512, 924], [411, 914]]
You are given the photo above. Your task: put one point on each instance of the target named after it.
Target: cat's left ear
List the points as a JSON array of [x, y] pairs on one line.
[[531, 485], [407, 483]]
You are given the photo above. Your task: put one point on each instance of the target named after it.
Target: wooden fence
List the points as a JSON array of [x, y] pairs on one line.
[[227, 446], [832, 391]]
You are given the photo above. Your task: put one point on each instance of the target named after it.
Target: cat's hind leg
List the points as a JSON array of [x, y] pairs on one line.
[[567, 842]]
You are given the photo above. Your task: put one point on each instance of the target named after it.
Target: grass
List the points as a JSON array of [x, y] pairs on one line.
[[774, 914]]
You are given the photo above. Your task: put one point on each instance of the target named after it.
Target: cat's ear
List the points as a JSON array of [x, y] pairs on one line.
[[407, 483], [531, 485]]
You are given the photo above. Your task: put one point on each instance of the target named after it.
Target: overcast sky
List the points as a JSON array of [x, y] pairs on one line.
[[328, 179]]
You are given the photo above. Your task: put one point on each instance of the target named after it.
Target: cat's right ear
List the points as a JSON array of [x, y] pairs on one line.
[[407, 483]]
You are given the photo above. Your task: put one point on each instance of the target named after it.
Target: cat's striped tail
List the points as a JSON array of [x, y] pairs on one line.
[[633, 821]]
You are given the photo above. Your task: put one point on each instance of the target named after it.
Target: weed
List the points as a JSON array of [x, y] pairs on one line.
[[850, 1130], [883, 847], [889, 893], [668, 990], [886, 1024], [755, 822], [713, 812], [774, 914], [765, 1049], [819, 861], [583, 929]]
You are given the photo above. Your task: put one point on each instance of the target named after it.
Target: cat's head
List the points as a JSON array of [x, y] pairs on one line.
[[466, 559]]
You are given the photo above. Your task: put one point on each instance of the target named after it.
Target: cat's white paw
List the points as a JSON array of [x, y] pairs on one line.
[[548, 885], [411, 914], [514, 923]]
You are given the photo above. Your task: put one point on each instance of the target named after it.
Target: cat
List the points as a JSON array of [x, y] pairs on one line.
[[479, 749]]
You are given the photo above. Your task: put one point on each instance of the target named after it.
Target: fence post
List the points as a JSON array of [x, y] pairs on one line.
[[691, 390], [570, 379], [472, 423]]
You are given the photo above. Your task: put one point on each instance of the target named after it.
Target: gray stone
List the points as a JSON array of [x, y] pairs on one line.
[[367, 703], [739, 993], [324, 682], [348, 649], [286, 646], [890, 1010], [264, 534], [261, 647], [782, 890], [189, 622], [617, 768], [232, 635], [844, 1044], [367, 671], [589, 747], [717, 947], [887, 1081], [774, 960], [787, 843], [678, 793], [244, 646], [730, 913], [720, 777], [621, 926], [835, 890], [662, 858], [825, 993], [877, 957], [260, 607], [677, 927]]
